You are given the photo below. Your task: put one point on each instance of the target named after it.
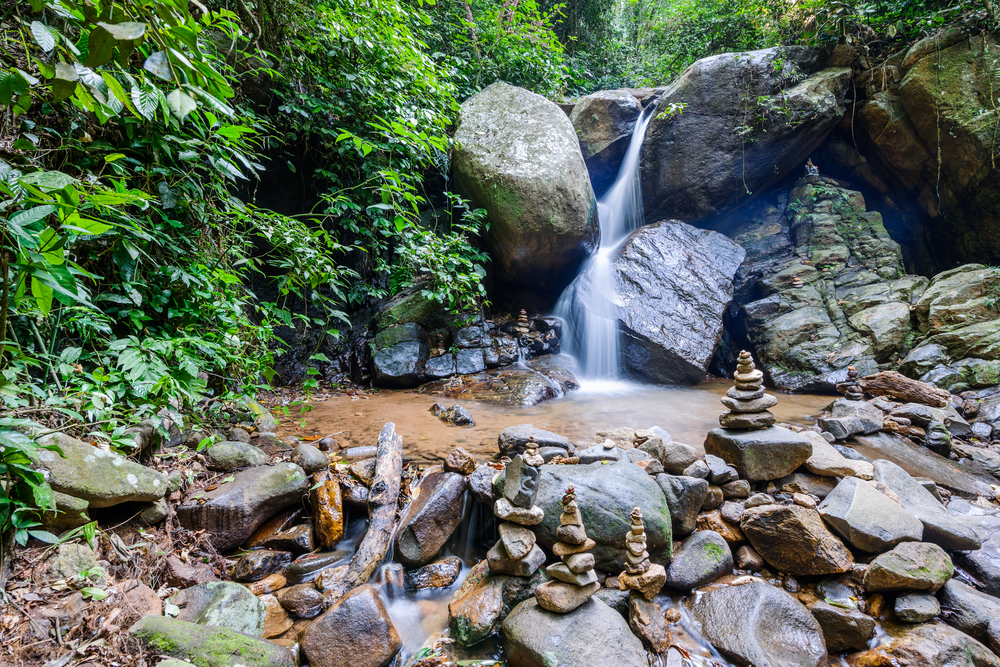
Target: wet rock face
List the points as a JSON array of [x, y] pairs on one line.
[[674, 282], [604, 123], [911, 566], [762, 454], [221, 604], [431, 518], [234, 510], [982, 564], [843, 629], [969, 610], [534, 637], [517, 156], [484, 600], [355, 632], [439, 574], [541, 379], [868, 519], [927, 645], [209, 646], [822, 287], [759, 624], [696, 164], [793, 539], [701, 559], [607, 493], [99, 477]]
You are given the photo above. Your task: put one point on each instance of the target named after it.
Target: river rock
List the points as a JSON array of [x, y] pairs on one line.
[[276, 620], [843, 629], [181, 575], [759, 624], [460, 461], [851, 417], [513, 439], [401, 353], [793, 539], [534, 637], [501, 562], [355, 632], [302, 600], [430, 519], [916, 608], [306, 567], [676, 457], [607, 493], [674, 283], [562, 597], [762, 454], [910, 566], [714, 499], [696, 164], [70, 513], [221, 604], [482, 602], [310, 459], [867, 519], [967, 609], [648, 623], [685, 497], [983, 564], [729, 530], [328, 513], [801, 482], [517, 155], [604, 122], [701, 559], [927, 645], [439, 574], [101, 478], [256, 565], [208, 646], [233, 511], [827, 461], [226, 456], [940, 526]]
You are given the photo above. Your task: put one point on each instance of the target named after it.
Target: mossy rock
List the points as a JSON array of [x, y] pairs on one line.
[[208, 646]]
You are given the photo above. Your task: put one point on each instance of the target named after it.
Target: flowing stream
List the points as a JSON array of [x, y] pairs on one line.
[[589, 306]]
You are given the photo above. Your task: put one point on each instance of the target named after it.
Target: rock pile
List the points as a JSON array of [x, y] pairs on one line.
[[851, 389], [575, 578], [748, 404], [640, 575], [516, 552]]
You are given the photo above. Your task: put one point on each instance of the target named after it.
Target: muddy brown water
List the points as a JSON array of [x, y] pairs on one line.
[[687, 413]]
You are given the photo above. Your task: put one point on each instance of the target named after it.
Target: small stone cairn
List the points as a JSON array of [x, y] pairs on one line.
[[523, 327], [851, 389], [640, 575], [516, 552], [748, 404], [575, 578]]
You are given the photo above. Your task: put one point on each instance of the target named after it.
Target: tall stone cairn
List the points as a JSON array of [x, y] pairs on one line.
[[748, 404], [523, 326], [575, 580], [517, 552], [640, 575], [851, 389]]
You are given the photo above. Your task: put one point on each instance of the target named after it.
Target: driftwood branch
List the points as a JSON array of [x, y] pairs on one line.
[[382, 515], [901, 388]]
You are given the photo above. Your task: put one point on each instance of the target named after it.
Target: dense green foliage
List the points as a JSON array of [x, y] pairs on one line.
[[138, 138]]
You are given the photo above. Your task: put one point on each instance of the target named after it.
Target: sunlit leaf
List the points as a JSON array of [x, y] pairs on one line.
[[43, 35], [180, 104], [159, 65]]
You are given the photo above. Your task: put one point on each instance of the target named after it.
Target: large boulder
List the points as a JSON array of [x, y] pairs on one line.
[[604, 122], [750, 119], [673, 284], [593, 634], [431, 518], [208, 646], [932, 138], [866, 519], [221, 604], [758, 624], [927, 645], [793, 539], [355, 632], [516, 155], [822, 287], [231, 512], [484, 600], [981, 564], [910, 566], [967, 609], [101, 478], [607, 493]]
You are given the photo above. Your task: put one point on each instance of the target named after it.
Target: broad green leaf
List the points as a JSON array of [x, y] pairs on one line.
[[146, 100], [42, 294], [32, 215], [102, 47], [45, 37], [159, 65], [126, 31], [94, 593], [44, 536], [48, 181], [113, 157], [64, 82], [180, 104], [82, 225], [51, 246]]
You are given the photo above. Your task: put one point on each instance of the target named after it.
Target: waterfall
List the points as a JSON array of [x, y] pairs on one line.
[[589, 306]]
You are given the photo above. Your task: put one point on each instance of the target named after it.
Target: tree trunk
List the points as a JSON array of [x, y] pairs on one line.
[[382, 515], [901, 388]]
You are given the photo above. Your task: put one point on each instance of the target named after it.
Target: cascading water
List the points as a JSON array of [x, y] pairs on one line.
[[589, 306]]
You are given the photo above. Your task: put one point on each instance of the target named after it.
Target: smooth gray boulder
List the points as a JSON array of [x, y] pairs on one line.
[[701, 559], [517, 155], [431, 518], [607, 493], [981, 564], [940, 526], [698, 164], [221, 604], [867, 519], [208, 646], [101, 478], [844, 629], [310, 459], [759, 624], [233, 455], [762, 454], [513, 439], [231, 512], [593, 634], [916, 607], [604, 122], [685, 498], [969, 610]]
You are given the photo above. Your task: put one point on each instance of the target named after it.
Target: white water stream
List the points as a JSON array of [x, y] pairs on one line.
[[589, 306]]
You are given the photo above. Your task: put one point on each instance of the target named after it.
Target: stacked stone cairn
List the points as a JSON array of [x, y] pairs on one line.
[[523, 327], [851, 389], [748, 404], [640, 575], [575, 578], [516, 552]]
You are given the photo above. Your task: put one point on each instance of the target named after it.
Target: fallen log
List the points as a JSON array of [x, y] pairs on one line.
[[382, 516], [901, 388]]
